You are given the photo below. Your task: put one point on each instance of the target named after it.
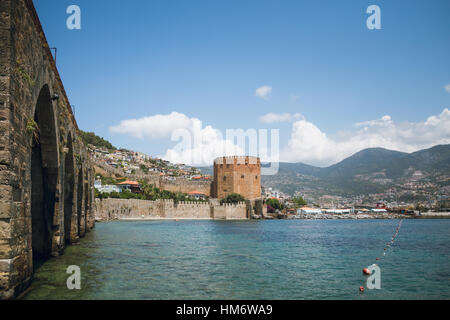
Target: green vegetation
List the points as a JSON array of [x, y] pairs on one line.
[[26, 76], [273, 205], [144, 168], [109, 180], [33, 129], [299, 202], [232, 198], [91, 138], [148, 192]]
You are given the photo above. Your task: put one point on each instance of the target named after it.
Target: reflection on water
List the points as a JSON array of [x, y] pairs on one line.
[[252, 260]]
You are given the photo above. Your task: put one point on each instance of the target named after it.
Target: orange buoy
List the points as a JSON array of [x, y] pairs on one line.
[[361, 289], [366, 271]]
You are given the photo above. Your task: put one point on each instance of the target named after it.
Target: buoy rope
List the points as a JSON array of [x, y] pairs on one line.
[[388, 245]]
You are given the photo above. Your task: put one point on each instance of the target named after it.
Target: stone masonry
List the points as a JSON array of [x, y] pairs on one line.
[[237, 175], [46, 180], [121, 209]]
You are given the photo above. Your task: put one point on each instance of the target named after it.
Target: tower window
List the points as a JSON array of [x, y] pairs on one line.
[[242, 176], [224, 178]]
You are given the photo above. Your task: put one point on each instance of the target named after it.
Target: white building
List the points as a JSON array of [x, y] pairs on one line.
[[306, 210]]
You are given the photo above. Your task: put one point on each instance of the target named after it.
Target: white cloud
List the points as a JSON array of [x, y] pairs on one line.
[[447, 88], [385, 120], [198, 145], [279, 117], [310, 145], [195, 144], [157, 126], [263, 92]]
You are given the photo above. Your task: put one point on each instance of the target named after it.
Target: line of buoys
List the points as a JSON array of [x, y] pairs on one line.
[[366, 271]]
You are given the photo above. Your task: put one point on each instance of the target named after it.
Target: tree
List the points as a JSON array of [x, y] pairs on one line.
[[144, 168], [299, 202], [91, 138], [232, 198], [274, 203]]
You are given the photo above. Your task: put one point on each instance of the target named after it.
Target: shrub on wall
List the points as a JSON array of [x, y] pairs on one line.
[[232, 198]]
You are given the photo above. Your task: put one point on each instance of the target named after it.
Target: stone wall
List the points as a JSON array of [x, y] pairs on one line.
[[46, 178], [186, 186], [231, 211], [121, 209]]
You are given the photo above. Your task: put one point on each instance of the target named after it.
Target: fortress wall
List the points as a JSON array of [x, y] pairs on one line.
[[189, 210], [117, 209], [186, 186], [45, 171], [230, 211], [114, 209]]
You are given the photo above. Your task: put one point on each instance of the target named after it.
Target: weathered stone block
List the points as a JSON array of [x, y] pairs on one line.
[[5, 265], [5, 229], [5, 49], [4, 83], [5, 157], [4, 282], [5, 209], [5, 6], [18, 227], [5, 249]]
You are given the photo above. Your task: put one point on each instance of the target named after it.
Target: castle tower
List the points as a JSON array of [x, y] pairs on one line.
[[237, 174]]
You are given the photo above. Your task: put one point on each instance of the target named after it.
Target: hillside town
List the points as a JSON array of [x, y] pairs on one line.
[[129, 167]]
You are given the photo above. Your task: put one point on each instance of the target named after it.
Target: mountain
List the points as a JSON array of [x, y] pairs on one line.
[[368, 171]]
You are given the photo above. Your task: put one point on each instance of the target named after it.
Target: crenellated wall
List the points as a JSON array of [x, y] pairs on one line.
[[122, 209], [46, 180]]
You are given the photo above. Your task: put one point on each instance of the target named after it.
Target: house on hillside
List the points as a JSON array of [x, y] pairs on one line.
[[197, 195], [132, 186]]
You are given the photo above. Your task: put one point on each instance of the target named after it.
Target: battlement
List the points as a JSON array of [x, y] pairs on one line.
[[135, 209], [239, 204], [193, 204], [237, 160]]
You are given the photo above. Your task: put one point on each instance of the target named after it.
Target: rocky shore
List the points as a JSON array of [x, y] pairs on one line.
[[358, 216]]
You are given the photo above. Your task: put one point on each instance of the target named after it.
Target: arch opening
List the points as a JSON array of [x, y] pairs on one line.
[[69, 181], [44, 177], [79, 200], [86, 205]]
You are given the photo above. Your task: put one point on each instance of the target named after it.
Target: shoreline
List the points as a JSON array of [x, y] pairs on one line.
[[443, 215]]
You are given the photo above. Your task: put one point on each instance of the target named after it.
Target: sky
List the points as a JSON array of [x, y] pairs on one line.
[[144, 73]]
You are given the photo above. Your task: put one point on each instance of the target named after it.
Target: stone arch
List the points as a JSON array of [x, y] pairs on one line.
[[69, 186], [44, 176], [80, 201]]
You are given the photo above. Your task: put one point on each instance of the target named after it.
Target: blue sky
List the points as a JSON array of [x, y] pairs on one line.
[[206, 59]]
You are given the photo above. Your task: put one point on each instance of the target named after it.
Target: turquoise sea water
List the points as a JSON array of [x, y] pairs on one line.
[[280, 259]]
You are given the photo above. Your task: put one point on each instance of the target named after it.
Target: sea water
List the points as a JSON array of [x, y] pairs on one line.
[[279, 259]]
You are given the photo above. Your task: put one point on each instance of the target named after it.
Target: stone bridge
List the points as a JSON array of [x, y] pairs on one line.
[[46, 180]]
